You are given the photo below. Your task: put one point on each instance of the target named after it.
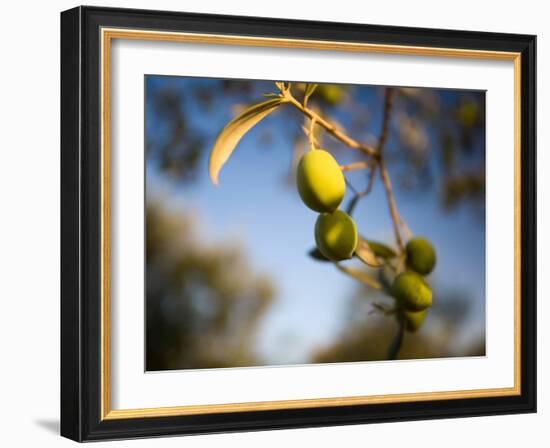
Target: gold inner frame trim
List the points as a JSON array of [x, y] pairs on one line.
[[107, 35]]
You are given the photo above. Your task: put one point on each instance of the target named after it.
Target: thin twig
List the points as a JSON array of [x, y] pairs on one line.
[[391, 204], [406, 230], [329, 127], [370, 184], [397, 341], [310, 88], [305, 129], [361, 194], [311, 135], [388, 101], [361, 165], [352, 188]]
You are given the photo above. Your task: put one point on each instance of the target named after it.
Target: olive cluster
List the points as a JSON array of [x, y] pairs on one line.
[[412, 292], [322, 186]]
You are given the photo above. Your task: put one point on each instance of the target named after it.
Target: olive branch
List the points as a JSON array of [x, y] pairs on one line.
[[374, 254]]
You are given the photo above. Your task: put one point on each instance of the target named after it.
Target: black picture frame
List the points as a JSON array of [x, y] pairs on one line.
[[81, 224]]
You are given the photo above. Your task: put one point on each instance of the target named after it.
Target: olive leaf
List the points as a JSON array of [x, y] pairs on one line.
[[364, 252], [233, 131], [317, 255], [360, 275], [381, 250]]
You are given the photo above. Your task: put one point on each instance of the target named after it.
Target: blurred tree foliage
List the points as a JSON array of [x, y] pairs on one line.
[[175, 142], [203, 302], [368, 334], [452, 131]]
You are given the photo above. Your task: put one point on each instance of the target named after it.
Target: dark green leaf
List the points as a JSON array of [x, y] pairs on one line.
[[381, 250], [317, 255]]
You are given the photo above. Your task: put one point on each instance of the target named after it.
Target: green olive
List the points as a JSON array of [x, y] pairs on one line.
[[320, 181], [411, 291], [414, 319], [421, 256], [467, 113], [336, 235], [330, 93]]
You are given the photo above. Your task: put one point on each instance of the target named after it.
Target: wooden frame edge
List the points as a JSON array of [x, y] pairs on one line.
[[107, 34]]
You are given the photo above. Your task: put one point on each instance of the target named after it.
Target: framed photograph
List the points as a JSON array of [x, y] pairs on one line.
[[272, 224]]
